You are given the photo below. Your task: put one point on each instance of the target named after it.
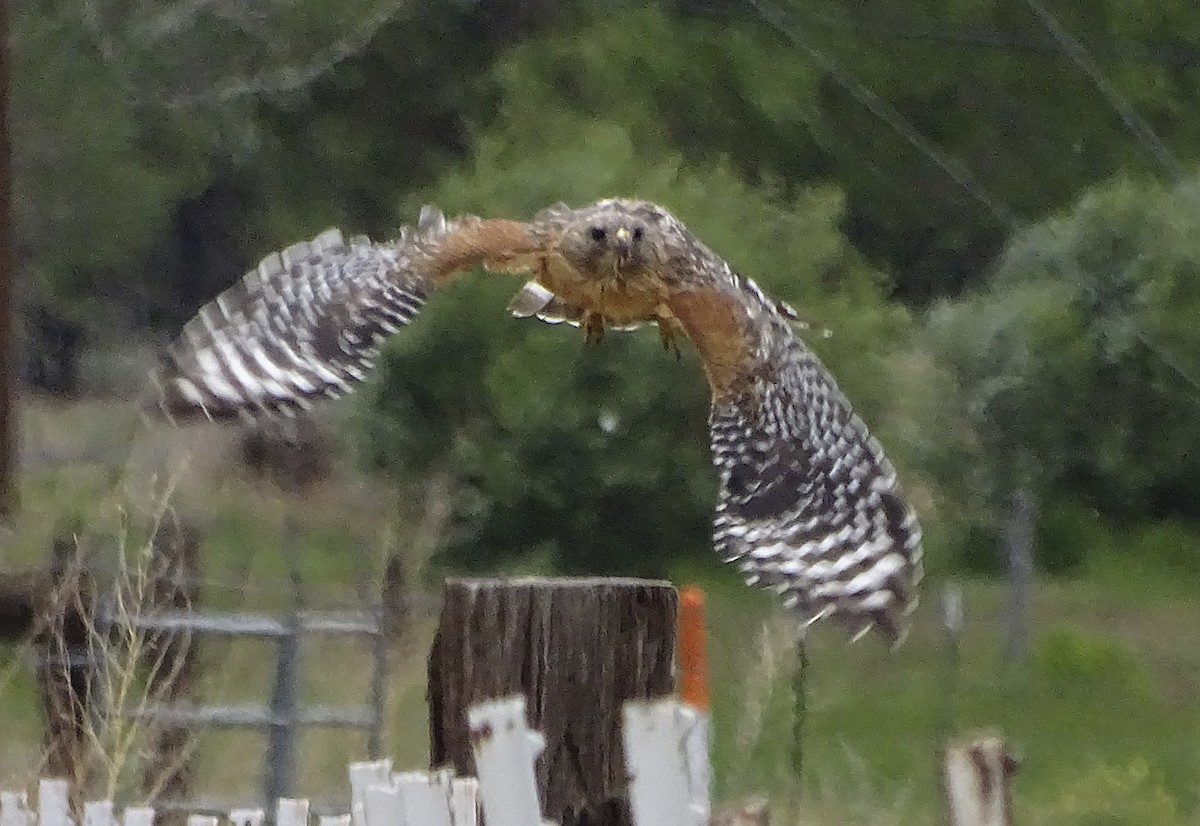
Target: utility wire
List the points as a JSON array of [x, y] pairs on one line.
[[901, 27], [889, 115], [1134, 122], [958, 173]]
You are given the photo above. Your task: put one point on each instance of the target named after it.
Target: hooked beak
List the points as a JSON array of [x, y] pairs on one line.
[[624, 245]]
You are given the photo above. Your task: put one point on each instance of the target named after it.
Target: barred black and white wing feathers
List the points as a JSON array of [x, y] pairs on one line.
[[308, 322], [808, 503]]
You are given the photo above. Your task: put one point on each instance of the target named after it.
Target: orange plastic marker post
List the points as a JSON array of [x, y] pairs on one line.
[[693, 648]]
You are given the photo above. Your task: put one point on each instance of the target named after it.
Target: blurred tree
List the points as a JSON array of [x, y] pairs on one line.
[[225, 130], [988, 86], [87, 198], [597, 458], [984, 83], [159, 150], [298, 117], [1078, 369], [123, 115]]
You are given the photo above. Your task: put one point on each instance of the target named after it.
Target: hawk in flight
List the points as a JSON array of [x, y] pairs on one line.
[[808, 503]]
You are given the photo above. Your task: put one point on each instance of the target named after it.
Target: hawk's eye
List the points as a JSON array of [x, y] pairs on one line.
[[598, 233], [638, 232]]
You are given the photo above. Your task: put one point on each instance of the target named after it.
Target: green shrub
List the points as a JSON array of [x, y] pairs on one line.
[[1068, 659], [977, 550], [1066, 532], [1131, 794], [1166, 545], [1072, 372]]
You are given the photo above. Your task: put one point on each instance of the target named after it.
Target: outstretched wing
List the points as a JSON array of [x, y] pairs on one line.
[[808, 503], [808, 506], [309, 321]]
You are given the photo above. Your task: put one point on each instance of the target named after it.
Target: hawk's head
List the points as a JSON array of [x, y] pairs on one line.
[[615, 238]]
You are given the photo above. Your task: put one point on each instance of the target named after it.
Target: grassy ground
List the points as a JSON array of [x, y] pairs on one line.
[[1106, 709], [1106, 712]]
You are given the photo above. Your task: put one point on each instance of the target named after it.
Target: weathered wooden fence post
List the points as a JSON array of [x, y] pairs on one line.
[[577, 649], [67, 671], [976, 775]]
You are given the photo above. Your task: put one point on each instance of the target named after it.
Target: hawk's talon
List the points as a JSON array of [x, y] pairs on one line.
[[670, 341], [593, 327]]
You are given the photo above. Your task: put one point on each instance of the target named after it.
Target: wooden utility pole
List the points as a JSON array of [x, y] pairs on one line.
[[7, 354], [577, 649]]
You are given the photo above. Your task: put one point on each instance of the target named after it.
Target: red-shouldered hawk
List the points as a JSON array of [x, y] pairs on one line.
[[808, 503]]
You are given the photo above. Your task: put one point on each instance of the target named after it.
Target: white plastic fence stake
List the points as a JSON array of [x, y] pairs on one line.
[[362, 776], [464, 801], [202, 820], [425, 797], [98, 813], [659, 792], [247, 817], [334, 820], [505, 750], [14, 809], [54, 805], [697, 762], [291, 812], [138, 816], [382, 806]]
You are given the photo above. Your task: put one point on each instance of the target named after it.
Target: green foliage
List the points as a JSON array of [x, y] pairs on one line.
[[88, 198], [1129, 794], [308, 114], [1076, 370], [215, 151], [1066, 533], [751, 98], [977, 550], [1169, 545], [1121, 371], [1026, 123], [126, 118], [598, 457], [1071, 660]]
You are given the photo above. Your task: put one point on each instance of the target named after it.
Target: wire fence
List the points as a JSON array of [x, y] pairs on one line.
[[139, 655]]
